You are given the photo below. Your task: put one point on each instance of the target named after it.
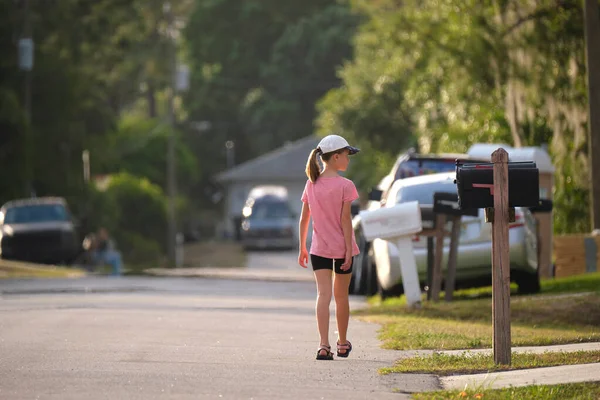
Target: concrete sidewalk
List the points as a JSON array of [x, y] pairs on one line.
[[524, 377], [568, 348]]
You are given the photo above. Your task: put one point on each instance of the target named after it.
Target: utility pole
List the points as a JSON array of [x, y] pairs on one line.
[[171, 167], [230, 153], [592, 38], [26, 50]]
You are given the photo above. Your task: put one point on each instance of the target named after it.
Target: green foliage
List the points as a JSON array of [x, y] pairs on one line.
[[578, 391], [102, 211], [142, 209], [258, 68], [301, 69], [434, 74], [133, 210], [92, 61], [462, 364], [139, 147], [138, 250], [444, 74], [12, 147]]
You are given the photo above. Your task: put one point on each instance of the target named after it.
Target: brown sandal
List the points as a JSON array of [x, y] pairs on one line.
[[347, 346], [328, 354]]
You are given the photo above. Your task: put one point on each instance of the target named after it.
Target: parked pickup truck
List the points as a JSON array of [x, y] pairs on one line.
[[38, 230]]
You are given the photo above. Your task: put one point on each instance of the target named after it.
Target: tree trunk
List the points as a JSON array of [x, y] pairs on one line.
[[592, 36]]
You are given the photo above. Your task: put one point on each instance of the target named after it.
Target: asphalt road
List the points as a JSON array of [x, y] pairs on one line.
[[178, 338]]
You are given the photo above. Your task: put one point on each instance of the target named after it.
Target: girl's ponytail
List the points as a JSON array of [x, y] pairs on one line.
[[312, 166]]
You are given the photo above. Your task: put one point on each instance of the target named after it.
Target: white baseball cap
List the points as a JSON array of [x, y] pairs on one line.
[[335, 142]]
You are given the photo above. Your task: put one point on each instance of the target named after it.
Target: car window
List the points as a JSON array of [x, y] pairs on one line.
[[417, 167], [36, 213], [270, 210], [424, 193]]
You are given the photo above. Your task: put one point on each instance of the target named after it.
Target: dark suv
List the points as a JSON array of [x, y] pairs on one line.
[[38, 230], [268, 221]]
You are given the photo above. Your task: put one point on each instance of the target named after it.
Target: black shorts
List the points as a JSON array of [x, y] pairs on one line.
[[327, 263]]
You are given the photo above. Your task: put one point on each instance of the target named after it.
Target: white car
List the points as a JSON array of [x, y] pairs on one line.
[[474, 251]]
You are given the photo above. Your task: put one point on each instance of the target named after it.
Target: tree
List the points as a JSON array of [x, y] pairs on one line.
[[138, 146], [301, 69], [592, 33], [465, 71], [257, 69]]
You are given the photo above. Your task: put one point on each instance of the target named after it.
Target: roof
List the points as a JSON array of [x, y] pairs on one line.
[[34, 201], [286, 162]]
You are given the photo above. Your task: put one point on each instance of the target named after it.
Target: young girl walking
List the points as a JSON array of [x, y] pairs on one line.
[[327, 197]]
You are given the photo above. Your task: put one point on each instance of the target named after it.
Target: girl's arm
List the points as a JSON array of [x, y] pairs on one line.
[[347, 229], [304, 220]]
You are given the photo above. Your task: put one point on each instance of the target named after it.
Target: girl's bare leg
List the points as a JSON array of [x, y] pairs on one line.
[[341, 286], [323, 278]]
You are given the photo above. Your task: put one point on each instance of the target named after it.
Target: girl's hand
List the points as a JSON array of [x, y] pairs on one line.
[[303, 258], [347, 261]]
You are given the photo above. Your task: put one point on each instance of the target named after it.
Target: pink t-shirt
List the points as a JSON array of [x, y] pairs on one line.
[[325, 198]]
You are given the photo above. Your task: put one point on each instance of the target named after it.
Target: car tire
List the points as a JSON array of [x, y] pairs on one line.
[[528, 283], [371, 280], [358, 283], [395, 291]]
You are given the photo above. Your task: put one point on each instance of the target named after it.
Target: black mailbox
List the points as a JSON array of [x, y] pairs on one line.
[[475, 184], [427, 217], [447, 204], [545, 206]]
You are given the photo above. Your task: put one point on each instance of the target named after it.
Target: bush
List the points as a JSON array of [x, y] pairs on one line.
[[134, 211], [142, 208], [138, 250], [101, 211]]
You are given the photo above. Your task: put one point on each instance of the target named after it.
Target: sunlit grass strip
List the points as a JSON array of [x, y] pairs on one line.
[[12, 269], [444, 364], [579, 391]]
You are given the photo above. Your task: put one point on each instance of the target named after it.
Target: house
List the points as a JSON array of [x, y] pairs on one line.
[[284, 166]]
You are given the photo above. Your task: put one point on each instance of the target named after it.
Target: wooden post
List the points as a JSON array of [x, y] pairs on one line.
[[429, 266], [436, 281], [452, 258], [501, 261]]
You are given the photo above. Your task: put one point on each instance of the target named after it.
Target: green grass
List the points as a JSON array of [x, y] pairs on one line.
[[535, 320], [558, 315], [574, 284], [14, 270], [444, 364], [577, 283], [573, 391]]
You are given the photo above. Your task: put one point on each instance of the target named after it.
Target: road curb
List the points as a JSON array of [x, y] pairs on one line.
[[231, 273]]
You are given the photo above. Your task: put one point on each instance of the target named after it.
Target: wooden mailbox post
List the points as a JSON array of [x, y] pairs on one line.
[[445, 209], [498, 188], [500, 261]]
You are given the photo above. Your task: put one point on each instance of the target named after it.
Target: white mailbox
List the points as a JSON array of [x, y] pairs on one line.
[[398, 224], [392, 222]]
